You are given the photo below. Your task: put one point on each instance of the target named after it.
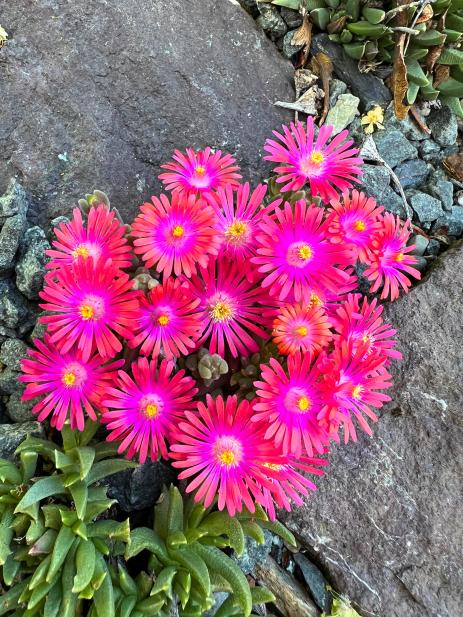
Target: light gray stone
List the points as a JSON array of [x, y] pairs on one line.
[[30, 268], [453, 220], [443, 190], [426, 208], [344, 111], [11, 435], [11, 353], [412, 174], [18, 410], [385, 522], [289, 49], [443, 125], [394, 147]]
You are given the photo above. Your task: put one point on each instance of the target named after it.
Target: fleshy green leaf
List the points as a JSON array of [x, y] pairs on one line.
[[9, 473], [142, 539], [79, 494], [280, 530], [103, 598], [43, 488], [9, 600], [191, 560], [108, 468], [63, 544], [86, 457], [219, 562], [220, 523]]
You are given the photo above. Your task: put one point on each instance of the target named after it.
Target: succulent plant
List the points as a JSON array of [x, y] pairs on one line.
[[250, 370], [366, 29], [186, 561], [209, 367], [54, 538]]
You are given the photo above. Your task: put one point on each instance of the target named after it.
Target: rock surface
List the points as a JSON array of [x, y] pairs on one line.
[[11, 435], [105, 110], [386, 521]]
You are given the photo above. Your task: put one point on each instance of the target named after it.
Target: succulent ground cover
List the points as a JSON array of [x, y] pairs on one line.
[[222, 331]]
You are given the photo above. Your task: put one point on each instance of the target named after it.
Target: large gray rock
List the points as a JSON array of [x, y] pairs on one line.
[[386, 521], [30, 269], [11, 435], [107, 90]]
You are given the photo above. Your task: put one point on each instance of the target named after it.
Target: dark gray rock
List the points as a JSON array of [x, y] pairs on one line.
[[15, 313], [443, 125], [39, 329], [292, 18], [412, 174], [369, 89], [393, 202], [433, 247], [150, 77], [18, 410], [30, 268], [453, 220], [250, 6], [137, 489], [375, 180], [11, 435], [11, 353], [254, 553], [421, 244], [337, 87], [9, 381], [271, 21], [427, 208], [10, 234], [386, 520], [13, 202], [429, 150], [407, 126], [394, 147], [289, 49], [316, 582], [443, 190]]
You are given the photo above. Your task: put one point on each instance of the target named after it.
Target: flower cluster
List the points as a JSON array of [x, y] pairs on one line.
[[231, 272]]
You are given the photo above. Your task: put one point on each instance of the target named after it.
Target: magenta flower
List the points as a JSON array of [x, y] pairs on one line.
[[141, 411], [167, 320], [390, 260], [102, 237], [295, 254], [290, 403], [327, 167], [238, 214], [354, 220], [199, 172], [350, 387], [92, 304], [301, 327], [221, 452], [71, 387], [359, 321], [176, 235], [230, 307], [288, 484]]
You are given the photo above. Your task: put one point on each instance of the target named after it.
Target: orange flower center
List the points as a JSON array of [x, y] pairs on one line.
[[360, 225], [399, 257], [357, 392], [304, 404], [81, 251], [163, 320], [200, 170], [69, 378], [302, 330], [151, 410], [178, 231]]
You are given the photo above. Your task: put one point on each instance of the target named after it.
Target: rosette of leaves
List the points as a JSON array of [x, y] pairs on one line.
[[209, 367], [249, 372], [367, 31], [187, 558], [54, 537]]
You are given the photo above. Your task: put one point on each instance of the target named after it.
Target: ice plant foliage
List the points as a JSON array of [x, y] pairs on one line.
[[227, 269]]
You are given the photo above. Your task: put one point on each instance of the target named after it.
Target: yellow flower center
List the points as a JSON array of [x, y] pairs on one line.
[[81, 251], [317, 157], [86, 311], [357, 392], [221, 311], [304, 403], [151, 410], [178, 231], [273, 466], [302, 330], [200, 170], [227, 457], [360, 225], [314, 301], [236, 229], [163, 320], [399, 257], [69, 378], [305, 252], [366, 338]]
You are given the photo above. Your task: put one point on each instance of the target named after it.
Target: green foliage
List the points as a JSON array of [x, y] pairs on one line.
[[186, 560], [52, 543], [367, 34]]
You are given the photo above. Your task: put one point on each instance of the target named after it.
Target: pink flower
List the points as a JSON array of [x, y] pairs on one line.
[[101, 238], [354, 220], [71, 387], [238, 224], [327, 167], [231, 309], [390, 259], [295, 254], [288, 484], [224, 452], [359, 321], [92, 303], [199, 172], [350, 387], [167, 320], [301, 327], [289, 404], [144, 409], [175, 235]]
